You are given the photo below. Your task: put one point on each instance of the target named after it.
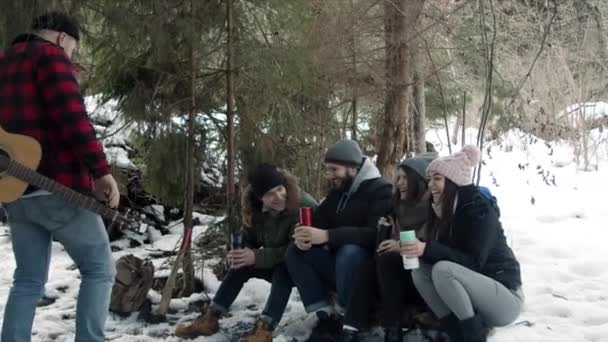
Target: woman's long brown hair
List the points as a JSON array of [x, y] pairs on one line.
[[440, 227]]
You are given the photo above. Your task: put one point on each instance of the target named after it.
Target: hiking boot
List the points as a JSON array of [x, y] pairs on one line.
[[451, 326], [262, 333], [328, 329], [393, 334], [349, 335], [426, 320], [205, 326], [474, 330]]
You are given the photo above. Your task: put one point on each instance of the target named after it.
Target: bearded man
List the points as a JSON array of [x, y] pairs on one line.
[[327, 255]]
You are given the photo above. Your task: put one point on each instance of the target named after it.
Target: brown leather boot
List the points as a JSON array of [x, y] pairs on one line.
[[262, 333], [206, 326]]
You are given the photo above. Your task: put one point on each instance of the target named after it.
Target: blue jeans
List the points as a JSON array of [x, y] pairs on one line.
[[33, 223], [280, 290], [319, 270]]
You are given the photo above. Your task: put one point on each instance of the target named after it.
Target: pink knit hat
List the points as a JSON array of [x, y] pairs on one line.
[[458, 167]]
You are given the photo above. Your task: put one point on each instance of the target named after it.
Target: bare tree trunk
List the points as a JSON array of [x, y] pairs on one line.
[[353, 129], [584, 137], [419, 118], [188, 266], [399, 27], [460, 126], [353, 45], [230, 105], [456, 129], [410, 141], [464, 117], [319, 180]]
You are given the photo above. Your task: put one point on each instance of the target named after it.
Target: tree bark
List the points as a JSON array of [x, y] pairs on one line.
[[230, 104], [188, 266], [400, 19], [419, 119], [353, 45]]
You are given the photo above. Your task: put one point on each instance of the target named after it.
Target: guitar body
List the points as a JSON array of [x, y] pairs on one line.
[[20, 157], [26, 151]]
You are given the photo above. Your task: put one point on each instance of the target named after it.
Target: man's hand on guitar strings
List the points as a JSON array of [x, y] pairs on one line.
[[106, 190]]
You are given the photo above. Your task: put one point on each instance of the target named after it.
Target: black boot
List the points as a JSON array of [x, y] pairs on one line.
[[474, 330], [349, 335], [393, 334], [328, 328], [451, 326]]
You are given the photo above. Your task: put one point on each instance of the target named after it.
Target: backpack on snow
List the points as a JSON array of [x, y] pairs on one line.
[[134, 278]]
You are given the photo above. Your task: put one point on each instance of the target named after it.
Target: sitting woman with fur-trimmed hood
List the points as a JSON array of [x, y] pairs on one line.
[[270, 212]]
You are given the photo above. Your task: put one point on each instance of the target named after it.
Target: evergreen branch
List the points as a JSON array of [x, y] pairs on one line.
[[419, 33], [106, 136]]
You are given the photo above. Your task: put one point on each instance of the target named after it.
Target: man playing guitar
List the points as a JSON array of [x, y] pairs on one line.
[[40, 98]]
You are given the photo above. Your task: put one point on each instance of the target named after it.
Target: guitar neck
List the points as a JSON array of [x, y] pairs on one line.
[[34, 178]]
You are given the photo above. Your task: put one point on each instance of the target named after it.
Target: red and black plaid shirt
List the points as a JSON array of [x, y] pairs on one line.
[[40, 97]]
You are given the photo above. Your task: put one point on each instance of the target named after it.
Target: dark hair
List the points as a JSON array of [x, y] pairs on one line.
[[440, 227], [256, 202], [58, 21], [417, 186]]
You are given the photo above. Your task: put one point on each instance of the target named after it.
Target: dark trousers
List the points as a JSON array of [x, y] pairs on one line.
[[382, 277], [280, 290], [319, 270]]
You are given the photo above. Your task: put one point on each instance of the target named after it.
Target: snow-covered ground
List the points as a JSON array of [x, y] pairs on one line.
[[553, 213]]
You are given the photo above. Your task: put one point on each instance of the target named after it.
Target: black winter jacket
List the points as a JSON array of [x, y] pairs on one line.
[[351, 217], [477, 240]]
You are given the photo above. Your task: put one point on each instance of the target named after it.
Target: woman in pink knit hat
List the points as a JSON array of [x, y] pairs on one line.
[[468, 275]]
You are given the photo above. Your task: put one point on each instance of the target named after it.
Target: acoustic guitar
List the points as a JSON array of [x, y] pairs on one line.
[[20, 155]]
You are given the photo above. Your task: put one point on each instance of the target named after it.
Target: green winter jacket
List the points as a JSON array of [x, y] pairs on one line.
[[269, 233]]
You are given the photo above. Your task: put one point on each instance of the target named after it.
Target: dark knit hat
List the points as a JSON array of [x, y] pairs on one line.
[[264, 178], [345, 152], [60, 22], [419, 163]]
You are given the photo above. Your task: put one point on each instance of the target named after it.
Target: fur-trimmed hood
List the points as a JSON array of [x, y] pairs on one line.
[[250, 205]]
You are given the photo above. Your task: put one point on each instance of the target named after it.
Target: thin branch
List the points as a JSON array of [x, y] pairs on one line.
[[490, 63], [464, 115], [444, 106], [489, 56], [105, 136]]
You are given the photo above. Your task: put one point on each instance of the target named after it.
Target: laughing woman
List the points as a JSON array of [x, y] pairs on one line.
[[468, 276], [385, 274]]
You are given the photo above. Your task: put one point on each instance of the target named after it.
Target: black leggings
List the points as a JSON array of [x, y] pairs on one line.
[[382, 277]]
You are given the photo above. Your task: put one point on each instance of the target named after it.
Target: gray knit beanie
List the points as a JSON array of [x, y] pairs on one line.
[[419, 163], [345, 152]]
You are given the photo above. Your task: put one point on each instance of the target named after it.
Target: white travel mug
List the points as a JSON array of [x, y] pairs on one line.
[[409, 263]]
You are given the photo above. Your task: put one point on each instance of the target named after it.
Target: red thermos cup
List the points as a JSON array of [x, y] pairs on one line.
[[306, 216]]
